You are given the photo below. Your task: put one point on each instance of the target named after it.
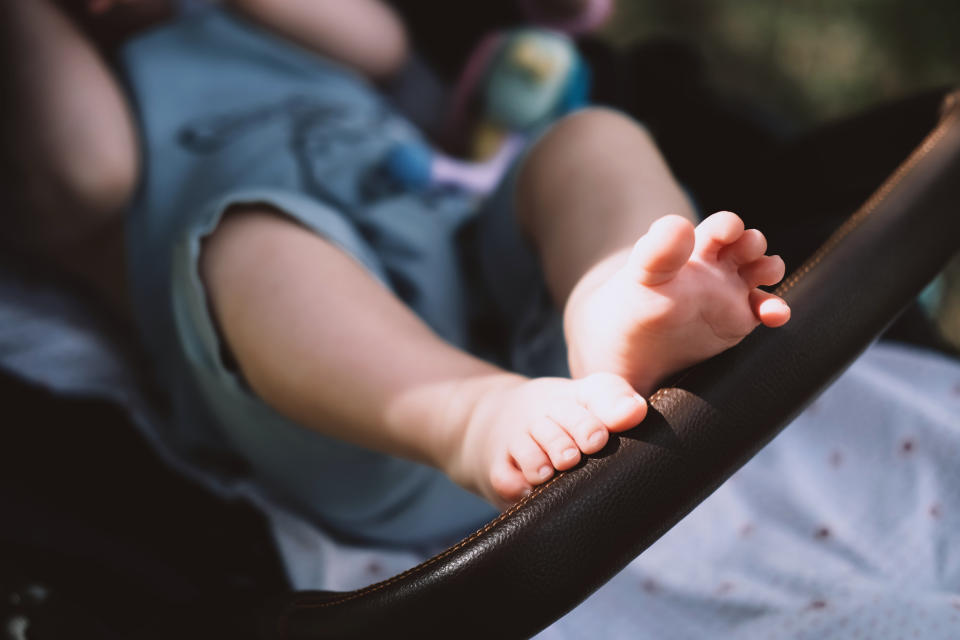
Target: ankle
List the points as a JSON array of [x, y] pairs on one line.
[[575, 321], [472, 409]]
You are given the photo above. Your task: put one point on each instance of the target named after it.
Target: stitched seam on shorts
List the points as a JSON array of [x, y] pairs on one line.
[[932, 139], [420, 567]]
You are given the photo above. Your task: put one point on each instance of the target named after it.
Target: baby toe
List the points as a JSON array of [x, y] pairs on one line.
[[661, 252], [750, 246], [587, 431], [507, 482], [767, 270], [716, 232], [557, 443], [771, 310], [530, 459], [612, 400]]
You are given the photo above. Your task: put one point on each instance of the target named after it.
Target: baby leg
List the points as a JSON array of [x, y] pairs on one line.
[[593, 186], [325, 344], [74, 149]]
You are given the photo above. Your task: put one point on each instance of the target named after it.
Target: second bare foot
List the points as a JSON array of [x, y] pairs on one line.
[[522, 431], [681, 295]]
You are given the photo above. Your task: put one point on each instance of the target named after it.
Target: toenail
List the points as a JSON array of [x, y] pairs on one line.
[[545, 471], [596, 438], [628, 405], [569, 454]]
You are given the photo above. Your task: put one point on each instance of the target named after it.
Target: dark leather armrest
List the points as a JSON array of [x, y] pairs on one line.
[[546, 554]]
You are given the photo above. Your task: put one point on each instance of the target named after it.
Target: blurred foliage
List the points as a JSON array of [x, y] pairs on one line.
[[809, 59]]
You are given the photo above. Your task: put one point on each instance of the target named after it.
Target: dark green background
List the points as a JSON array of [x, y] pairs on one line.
[[809, 59]]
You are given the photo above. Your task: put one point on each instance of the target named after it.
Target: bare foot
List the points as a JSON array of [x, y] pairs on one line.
[[681, 295], [522, 431]]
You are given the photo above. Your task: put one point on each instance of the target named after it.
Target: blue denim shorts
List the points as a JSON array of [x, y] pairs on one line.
[[230, 116]]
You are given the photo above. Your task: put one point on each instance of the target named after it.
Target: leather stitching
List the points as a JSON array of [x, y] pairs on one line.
[[435, 559], [932, 139], [950, 103]]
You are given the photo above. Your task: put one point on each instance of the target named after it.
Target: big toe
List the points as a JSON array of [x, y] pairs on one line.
[[612, 400], [717, 232], [661, 252]]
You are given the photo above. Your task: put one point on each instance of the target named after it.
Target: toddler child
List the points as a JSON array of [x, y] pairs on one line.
[[319, 323]]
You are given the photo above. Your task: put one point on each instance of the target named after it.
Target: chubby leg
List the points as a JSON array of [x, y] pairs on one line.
[[589, 188], [329, 347], [593, 186], [73, 144]]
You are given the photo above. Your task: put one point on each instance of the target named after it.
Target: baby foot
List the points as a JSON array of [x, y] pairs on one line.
[[681, 295], [522, 431]]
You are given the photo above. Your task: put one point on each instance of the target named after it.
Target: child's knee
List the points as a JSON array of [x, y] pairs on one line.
[[595, 137], [599, 124], [588, 136]]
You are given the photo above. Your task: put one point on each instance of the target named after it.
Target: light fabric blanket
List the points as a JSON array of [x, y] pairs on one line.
[[845, 526]]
